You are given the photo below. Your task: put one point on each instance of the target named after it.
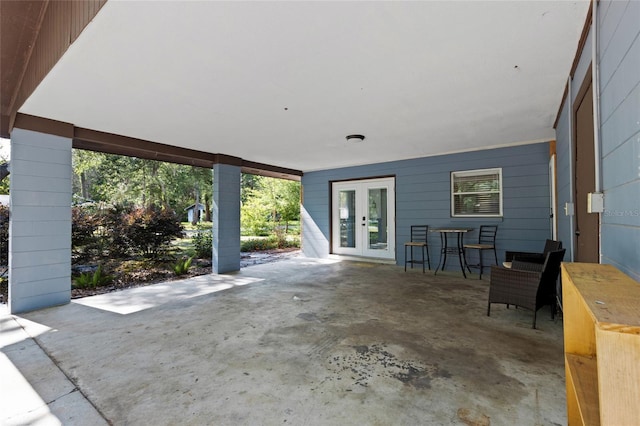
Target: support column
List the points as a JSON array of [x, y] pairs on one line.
[[40, 223], [226, 218]]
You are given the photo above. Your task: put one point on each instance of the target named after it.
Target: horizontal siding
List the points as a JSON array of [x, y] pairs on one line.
[[40, 224], [43, 228], [621, 247], [226, 218], [620, 208], [622, 124], [58, 292], [41, 198], [619, 62], [48, 214], [51, 271], [423, 197], [25, 259], [36, 244], [619, 164], [623, 80], [616, 36]]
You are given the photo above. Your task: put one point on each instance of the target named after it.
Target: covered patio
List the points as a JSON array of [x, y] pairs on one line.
[[275, 88], [301, 341], [518, 90]]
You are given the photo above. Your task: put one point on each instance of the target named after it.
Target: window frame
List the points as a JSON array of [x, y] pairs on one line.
[[477, 172]]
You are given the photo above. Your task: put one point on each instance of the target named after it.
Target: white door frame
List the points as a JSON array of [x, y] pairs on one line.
[[553, 199], [360, 220]]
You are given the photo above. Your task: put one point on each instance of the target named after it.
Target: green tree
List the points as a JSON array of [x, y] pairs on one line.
[[84, 165], [116, 179], [269, 203], [4, 176], [248, 184]]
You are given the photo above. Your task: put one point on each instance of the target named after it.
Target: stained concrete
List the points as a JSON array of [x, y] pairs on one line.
[[309, 342]]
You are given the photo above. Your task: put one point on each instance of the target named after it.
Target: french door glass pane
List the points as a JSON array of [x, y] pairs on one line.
[[377, 227], [347, 201]]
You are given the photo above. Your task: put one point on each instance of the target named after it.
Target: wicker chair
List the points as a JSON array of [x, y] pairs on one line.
[[419, 234], [549, 245], [525, 284]]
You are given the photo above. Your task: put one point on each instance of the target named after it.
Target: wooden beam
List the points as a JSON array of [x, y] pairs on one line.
[[110, 143]]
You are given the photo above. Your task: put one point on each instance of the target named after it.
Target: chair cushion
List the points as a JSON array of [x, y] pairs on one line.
[[479, 246], [415, 243]]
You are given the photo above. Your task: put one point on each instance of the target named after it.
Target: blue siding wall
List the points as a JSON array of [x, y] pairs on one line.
[[619, 65], [40, 223], [226, 219], [619, 61], [423, 197]]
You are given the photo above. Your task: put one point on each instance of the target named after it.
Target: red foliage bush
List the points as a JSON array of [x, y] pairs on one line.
[[125, 230]]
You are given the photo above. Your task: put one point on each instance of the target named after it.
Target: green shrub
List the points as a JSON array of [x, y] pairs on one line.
[[270, 243], [258, 244], [92, 280], [292, 242], [254, 218], [183, 265], [203, 244]]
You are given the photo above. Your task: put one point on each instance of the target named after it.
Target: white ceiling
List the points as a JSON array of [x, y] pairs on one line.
[[283, 83]]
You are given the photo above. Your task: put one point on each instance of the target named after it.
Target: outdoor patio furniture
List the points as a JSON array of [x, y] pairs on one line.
[[418, 239], [549, 245], [445, 248], [528, 285], [486, 241]]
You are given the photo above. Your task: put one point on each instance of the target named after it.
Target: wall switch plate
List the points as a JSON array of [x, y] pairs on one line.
[[595, 202], [569, 209]]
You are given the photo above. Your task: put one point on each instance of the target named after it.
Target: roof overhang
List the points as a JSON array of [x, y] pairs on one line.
[[283, 83]]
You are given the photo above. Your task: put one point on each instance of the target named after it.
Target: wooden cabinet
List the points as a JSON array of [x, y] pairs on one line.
[[602, 345]]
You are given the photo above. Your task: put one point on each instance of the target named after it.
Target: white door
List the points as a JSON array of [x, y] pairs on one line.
[[364, 218]]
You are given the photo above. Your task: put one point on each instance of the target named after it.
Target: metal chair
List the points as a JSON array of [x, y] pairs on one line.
[[486, 241], [419, 235]]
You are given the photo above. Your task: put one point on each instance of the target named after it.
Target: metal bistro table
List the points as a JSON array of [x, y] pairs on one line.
[[458, 249]]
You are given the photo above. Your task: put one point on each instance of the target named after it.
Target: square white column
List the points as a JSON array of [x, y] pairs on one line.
[[40, 223]]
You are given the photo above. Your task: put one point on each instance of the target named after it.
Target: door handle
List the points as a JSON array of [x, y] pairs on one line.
[[577, 233]]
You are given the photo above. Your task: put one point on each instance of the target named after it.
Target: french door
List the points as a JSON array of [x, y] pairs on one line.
[[363, 218]]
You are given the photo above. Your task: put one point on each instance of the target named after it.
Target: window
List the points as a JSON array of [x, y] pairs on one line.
[[476, 193]]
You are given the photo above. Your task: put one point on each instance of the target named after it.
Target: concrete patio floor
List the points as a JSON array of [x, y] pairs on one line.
[[301, 341]]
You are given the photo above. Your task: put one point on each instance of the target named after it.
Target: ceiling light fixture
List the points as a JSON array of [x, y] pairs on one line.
[[355, 138]]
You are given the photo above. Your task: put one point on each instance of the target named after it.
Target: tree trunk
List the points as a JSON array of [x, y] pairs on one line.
[[84, 186], [207, 209], [196, 211]]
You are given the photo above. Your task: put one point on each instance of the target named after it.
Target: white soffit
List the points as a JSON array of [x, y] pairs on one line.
[[283, 83]]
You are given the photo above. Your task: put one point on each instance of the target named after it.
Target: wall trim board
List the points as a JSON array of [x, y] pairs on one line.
[[576, 59]]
